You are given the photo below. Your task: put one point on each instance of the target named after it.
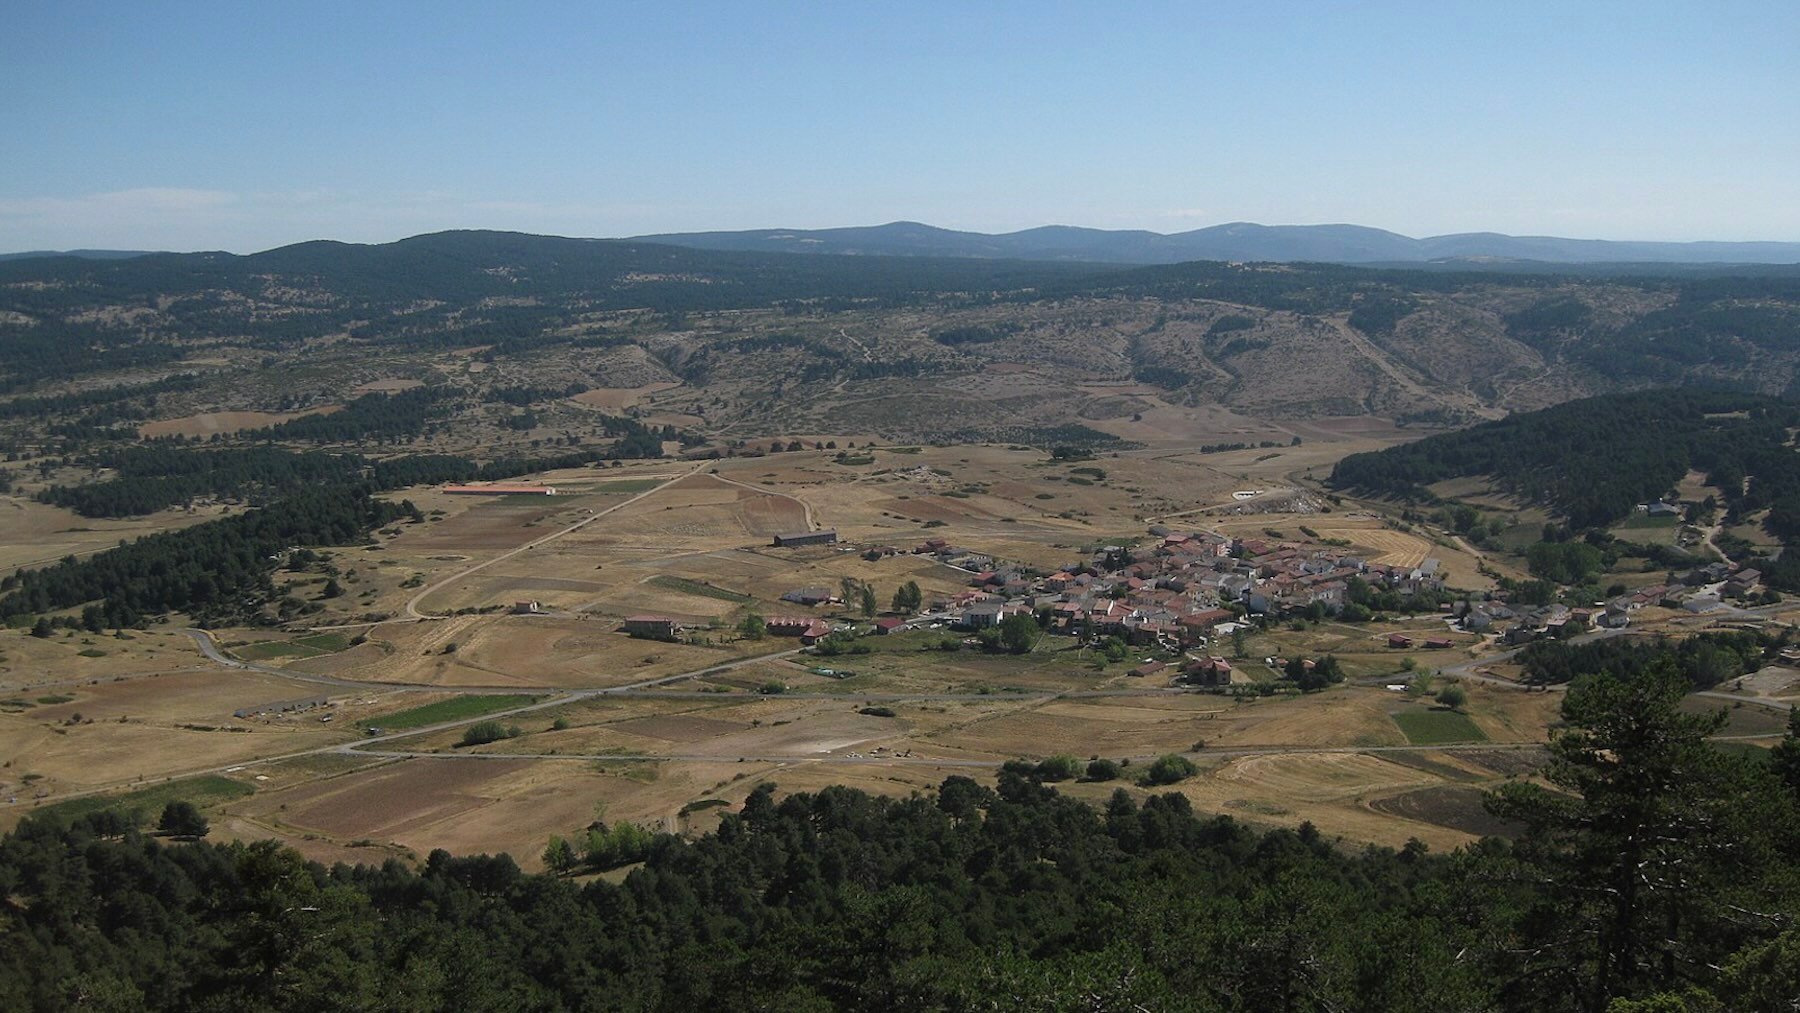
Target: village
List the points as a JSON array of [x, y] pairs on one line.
[[1181, 594], [1177, 594]]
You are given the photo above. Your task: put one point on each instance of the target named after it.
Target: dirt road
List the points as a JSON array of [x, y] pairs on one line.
[[412, 606]]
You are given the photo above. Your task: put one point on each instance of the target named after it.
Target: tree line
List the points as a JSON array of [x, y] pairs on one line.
[[215, 571]]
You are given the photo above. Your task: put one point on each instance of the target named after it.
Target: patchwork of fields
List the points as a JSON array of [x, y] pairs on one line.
[[643, 730]]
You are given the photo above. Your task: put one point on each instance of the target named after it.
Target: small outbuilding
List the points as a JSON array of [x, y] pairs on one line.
[[795, 538], [652, 627]]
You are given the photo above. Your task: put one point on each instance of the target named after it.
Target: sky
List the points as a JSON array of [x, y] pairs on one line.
[[244, 126]]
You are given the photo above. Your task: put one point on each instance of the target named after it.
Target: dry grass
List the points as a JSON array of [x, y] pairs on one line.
[[1390, 548], [210, 423]]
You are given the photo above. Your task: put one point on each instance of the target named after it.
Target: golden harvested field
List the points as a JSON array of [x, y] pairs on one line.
[[522, 652], [1393, 548], [1333, 791], [514, 806]]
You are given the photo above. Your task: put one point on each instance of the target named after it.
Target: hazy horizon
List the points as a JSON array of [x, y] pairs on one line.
[[217, 127], [859, 225]]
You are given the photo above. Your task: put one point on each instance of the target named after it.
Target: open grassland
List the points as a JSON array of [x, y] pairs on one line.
[[301, 647], [699, 550], [1333, 791], [212, 423], [34, 534]]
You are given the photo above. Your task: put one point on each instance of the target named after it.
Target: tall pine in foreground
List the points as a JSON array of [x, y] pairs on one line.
[[1650, 859]]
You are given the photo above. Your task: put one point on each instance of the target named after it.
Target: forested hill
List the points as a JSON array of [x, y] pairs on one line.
[[1594, 460]]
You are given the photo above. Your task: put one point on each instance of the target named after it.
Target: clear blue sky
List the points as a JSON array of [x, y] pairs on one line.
[[243, 126]]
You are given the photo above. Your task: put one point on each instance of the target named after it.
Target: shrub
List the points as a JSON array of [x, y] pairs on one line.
[[1061, 767], [1102, 770], [1170, 769], [482, 732]]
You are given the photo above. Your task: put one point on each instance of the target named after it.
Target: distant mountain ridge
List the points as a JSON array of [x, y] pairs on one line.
[[1237, 241], [79, 254]]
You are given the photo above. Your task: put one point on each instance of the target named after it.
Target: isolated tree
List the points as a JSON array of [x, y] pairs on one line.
[[752, 626], [869, 606], [332, 589], [1453, 697], [849, 589], [559, 855], [42, 629], [908, 597], [182, 819], [1019, 633]]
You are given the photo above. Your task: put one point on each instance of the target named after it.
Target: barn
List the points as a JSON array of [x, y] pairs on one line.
[[826, 537]]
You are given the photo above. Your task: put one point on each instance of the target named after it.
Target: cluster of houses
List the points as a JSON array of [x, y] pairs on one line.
[[1517, 624], [1177, 592], [1183, 590], [1698, 591]]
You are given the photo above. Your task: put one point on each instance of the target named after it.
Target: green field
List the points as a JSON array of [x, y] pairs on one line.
[[325, 643], [147, 803], [269, 650], [629, 485], [695, 587], [1640, 522], [1437, 727], [454, 709]]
